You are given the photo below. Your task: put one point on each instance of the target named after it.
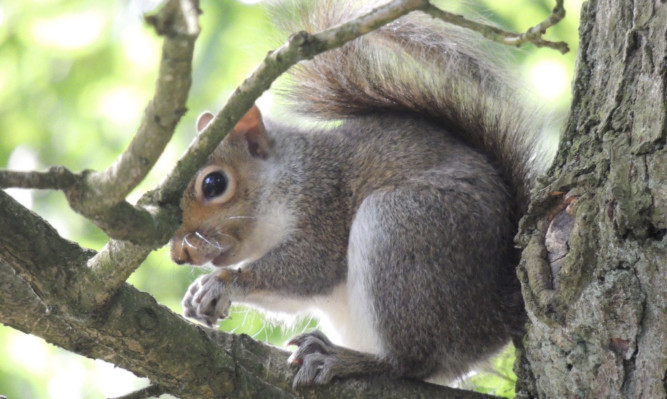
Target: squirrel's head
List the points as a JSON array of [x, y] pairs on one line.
[[220, 204]]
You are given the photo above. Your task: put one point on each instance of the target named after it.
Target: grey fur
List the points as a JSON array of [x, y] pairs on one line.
[[416, 193]]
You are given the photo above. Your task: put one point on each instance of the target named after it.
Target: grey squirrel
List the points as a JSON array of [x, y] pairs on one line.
[[393, 216]]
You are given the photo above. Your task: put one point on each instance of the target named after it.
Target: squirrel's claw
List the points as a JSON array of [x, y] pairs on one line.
[[207, 300], [316, 358]]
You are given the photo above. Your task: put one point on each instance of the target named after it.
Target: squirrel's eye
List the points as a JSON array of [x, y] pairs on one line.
[[214, 184]]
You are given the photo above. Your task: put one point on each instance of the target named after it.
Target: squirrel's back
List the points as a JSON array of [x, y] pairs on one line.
[[422, 66]]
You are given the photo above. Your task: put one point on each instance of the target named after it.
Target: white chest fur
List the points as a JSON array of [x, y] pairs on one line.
[[341, 318]]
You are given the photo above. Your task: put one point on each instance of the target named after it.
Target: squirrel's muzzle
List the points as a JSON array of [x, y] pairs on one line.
[[197, 249]]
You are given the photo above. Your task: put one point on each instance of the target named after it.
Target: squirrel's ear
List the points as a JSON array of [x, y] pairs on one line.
[[203, 120], [251, 129]]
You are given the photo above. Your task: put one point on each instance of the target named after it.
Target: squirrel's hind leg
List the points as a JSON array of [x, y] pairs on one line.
[[422, 285], [318, 360], [427, 255], [392, 345]]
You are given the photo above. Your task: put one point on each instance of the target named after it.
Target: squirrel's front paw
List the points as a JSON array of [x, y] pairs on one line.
[[207, 299], [316, 358]]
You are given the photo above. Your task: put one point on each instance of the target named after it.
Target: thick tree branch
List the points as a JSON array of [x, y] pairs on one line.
[[45, 276]]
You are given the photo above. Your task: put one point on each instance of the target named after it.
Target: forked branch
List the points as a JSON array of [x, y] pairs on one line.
[[532, 35]]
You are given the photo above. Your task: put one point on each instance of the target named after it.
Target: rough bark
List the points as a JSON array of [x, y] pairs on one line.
[[46, 284], [594, 270]]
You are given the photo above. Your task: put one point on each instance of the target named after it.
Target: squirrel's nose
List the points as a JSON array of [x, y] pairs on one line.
[[179, 252]]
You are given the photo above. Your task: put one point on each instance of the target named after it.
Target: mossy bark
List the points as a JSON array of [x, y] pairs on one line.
[[594, 268]]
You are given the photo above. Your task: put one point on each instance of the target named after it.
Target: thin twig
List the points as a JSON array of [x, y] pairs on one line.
[[100, 196], [177, 22], [532, 35], [55, 178], [300, 46]]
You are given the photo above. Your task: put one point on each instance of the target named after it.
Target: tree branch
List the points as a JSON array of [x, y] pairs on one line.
[[45, 276], [55, 178], [177, 22], [532, 35], [100, 196], [137, 230], [148, 392], [300, 46], [123, 221]]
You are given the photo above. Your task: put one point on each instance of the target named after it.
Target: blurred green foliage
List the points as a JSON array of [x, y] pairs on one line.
[[75, 77]]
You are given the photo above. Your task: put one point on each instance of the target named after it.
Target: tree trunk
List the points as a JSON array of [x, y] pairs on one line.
[[593, 269]]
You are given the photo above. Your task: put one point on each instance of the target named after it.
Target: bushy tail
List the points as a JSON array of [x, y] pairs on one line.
[[420, 65]]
